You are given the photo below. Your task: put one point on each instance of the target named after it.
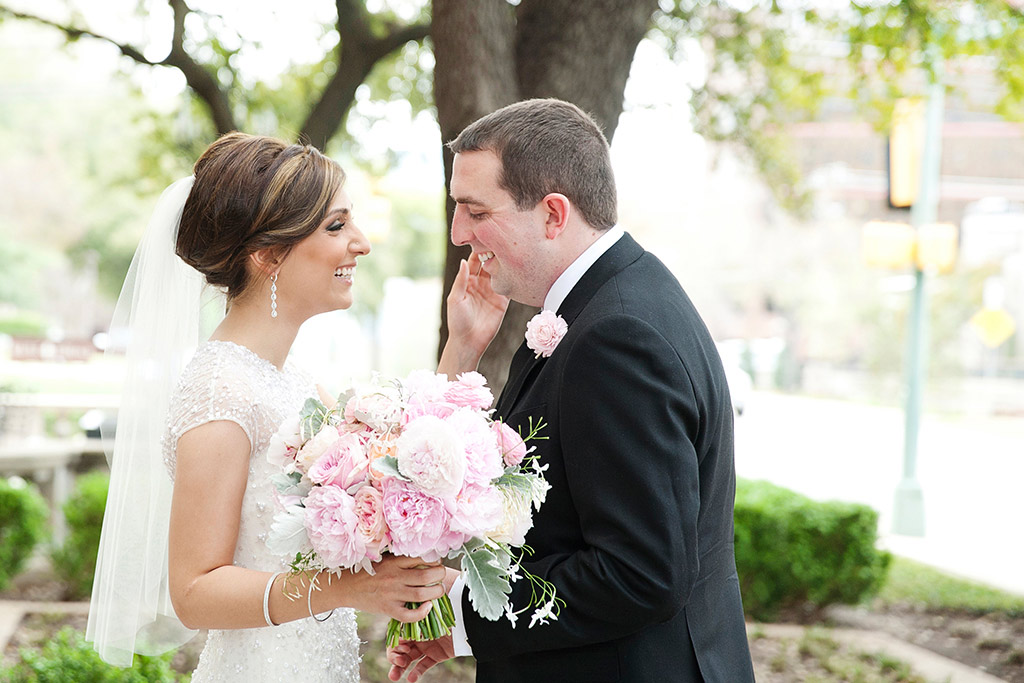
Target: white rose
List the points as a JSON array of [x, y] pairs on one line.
[[431, 456], [316, 447], [516, 521]]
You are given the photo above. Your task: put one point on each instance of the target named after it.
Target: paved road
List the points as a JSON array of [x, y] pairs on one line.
[[971, 470]]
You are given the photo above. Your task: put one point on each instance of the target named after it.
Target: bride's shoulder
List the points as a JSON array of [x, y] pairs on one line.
[[221, 364]]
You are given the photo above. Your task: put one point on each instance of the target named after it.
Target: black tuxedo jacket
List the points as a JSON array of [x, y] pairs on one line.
[[637, 529]]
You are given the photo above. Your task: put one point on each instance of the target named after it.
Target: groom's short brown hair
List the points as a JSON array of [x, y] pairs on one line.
[[548, 145]]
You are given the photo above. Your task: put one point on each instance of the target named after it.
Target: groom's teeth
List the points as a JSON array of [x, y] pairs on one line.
[[485, 257]]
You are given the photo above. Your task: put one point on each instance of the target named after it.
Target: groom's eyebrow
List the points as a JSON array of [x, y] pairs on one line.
[[466, 200]]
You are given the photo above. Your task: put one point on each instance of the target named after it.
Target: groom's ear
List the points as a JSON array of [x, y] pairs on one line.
[[557, 208]]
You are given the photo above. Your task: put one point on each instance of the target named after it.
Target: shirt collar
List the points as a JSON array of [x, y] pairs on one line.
[[578, 268]]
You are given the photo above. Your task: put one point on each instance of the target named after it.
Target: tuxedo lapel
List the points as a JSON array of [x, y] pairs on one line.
[[620, 255], [522, 362]]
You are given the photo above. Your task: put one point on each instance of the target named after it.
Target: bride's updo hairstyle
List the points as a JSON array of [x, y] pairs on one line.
[[252, 192]]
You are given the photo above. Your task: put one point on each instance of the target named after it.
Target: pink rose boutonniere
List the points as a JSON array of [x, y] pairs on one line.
[[544, 331]]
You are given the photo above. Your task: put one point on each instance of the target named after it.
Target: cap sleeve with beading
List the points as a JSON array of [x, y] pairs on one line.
[[218, 384]]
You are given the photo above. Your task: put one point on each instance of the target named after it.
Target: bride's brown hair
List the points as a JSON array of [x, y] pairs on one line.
[[252, 192]]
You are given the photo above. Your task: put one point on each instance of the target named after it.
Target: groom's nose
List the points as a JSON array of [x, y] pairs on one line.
[[461, 233]]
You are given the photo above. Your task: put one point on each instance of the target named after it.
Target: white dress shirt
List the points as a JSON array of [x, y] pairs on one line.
[[555, 296]]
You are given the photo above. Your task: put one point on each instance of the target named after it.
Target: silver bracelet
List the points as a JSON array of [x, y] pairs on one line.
[[266, 598], [309, 604]]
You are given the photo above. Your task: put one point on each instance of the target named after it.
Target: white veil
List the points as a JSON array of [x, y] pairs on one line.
[[157, 323]]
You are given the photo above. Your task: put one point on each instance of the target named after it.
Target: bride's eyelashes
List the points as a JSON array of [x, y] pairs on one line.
[[335, 226]]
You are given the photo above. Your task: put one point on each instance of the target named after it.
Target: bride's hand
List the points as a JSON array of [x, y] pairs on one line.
[[397, 580], [475, 312]]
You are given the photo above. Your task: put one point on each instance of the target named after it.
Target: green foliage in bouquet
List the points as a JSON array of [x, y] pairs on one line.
[[75, 561], [792, 552], [23, 516], [68, 657]]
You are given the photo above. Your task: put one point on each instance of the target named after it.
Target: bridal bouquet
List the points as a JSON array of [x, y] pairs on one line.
[[414, 467]]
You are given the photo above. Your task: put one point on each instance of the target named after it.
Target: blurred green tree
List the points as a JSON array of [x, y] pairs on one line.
[[758, 66]]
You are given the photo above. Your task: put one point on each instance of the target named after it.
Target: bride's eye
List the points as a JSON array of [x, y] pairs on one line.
[[335, 226]]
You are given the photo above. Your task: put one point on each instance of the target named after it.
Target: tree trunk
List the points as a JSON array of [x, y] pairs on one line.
[[486, 58], [474, 74]]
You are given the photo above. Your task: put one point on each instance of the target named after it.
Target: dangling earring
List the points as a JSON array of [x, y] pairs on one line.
[[273, 295]]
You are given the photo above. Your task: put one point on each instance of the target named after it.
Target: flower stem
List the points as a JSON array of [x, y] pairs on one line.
[[436, 624]]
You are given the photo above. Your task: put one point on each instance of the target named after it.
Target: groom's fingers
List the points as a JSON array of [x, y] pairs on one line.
[[421, 667]]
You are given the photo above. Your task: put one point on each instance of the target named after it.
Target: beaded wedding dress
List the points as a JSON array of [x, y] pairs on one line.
[[225, 381]]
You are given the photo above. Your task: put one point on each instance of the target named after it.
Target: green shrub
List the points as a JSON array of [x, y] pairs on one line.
[[68, 657], [75, 561], [792, 551], [23, 514]]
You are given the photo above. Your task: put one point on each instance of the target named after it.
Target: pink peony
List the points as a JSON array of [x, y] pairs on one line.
[[380, 409], [430, 454], [333, 527], [343, 464], [480, 445], [418, 522], [424, 386], [470, 391], [315, 447], [437, 409], [478, 510], [369, 508], [544, 331], [511, 445]]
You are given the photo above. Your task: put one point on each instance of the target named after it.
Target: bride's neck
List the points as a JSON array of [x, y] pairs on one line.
[[252, 327]]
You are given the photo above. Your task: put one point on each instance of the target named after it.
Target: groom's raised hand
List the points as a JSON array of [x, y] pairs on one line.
[[424, 654], [475, 312]]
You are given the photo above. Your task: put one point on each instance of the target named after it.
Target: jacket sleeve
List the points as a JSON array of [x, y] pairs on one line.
[[627, 425]]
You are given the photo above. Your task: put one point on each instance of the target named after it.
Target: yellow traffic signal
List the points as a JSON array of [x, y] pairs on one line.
[[906, 143]]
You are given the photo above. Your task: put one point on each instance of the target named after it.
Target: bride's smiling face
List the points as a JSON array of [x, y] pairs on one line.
[[317, 274]]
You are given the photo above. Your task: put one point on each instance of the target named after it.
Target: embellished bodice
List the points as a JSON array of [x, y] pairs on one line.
[[225, 381]]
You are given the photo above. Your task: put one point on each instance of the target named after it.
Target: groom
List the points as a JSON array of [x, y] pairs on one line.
[[637, 529]]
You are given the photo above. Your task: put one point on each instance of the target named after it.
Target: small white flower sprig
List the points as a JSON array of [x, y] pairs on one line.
[[544, 331]]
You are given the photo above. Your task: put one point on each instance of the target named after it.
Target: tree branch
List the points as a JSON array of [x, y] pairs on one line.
[[74, 33], [201, 82], [358, 52]]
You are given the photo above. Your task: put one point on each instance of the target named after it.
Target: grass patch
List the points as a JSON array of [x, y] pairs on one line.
[[913, 583]]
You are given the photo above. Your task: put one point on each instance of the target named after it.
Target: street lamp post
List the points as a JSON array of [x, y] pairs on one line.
[[908, 510]]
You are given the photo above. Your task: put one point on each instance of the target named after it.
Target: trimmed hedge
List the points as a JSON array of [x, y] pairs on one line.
[[792, 551], [75, 561], [23, 515], [68, 657]]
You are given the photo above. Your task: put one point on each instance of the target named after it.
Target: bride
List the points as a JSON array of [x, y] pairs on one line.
[[270, 226]]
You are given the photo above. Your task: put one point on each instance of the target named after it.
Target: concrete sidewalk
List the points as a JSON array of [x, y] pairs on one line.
[[13, 611]]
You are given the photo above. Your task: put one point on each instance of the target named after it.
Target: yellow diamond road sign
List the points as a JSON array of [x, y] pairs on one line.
[[993, 326]]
